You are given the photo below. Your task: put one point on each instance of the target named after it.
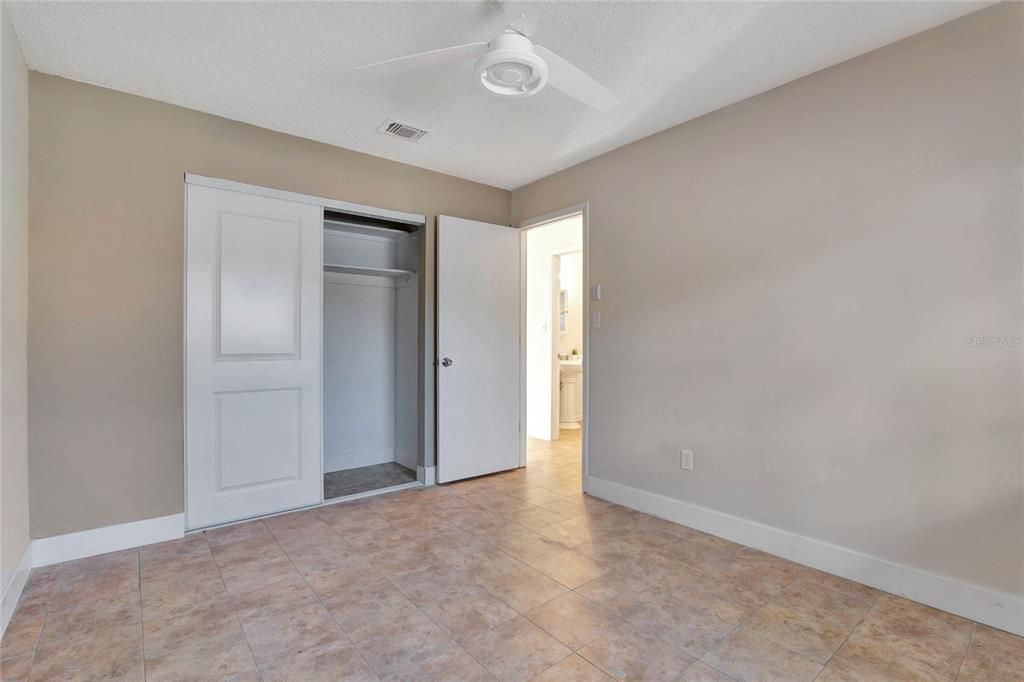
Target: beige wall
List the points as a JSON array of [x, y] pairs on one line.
[[790, 285], [106, 173], [13, 302]]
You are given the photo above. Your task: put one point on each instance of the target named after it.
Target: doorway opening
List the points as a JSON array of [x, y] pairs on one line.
[[554, 342]]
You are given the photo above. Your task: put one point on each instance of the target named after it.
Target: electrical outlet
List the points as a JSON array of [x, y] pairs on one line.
[[686, 460]]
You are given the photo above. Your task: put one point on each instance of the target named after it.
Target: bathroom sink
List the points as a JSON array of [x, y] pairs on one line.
[[574, 366]]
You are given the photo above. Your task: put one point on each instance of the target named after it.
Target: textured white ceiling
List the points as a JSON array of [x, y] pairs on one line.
[[286, 66]]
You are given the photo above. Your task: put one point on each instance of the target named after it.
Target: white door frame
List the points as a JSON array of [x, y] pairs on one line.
[[582, 210], [554, 372]]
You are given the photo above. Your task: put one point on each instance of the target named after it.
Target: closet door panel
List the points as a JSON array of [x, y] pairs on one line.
[[258, 437], [259, 285], [252, 356]]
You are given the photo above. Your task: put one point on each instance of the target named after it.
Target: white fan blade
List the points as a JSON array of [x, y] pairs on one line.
[[522, 17], [425, 60], [568, 78]]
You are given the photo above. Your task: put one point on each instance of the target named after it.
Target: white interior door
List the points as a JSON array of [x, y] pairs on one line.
[[477, 348], [252, 355]]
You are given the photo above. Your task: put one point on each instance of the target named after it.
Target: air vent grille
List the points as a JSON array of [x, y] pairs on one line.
[[402, 130]]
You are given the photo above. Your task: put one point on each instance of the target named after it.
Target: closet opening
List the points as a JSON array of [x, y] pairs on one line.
[[370, 354]]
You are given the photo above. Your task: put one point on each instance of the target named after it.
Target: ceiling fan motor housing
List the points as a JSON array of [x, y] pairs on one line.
[[511, 68]]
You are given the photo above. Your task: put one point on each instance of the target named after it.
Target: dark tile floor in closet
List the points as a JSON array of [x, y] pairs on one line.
[[363, 479]]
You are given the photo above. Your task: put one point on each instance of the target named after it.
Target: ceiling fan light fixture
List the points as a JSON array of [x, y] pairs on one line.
[[511, 68], [511, 65]]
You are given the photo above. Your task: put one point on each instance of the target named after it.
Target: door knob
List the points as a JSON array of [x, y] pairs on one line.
[[446, 362]]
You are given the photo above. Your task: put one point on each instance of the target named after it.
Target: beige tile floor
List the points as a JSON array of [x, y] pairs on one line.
[[516, 576]]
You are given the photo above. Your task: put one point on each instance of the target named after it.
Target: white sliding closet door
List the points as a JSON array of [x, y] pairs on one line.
[[253, 320], [477, 348]]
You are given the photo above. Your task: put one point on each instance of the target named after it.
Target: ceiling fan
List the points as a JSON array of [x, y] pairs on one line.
[[511, 64]]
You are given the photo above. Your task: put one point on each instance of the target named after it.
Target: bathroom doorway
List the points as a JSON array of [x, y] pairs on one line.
[[555, 329]]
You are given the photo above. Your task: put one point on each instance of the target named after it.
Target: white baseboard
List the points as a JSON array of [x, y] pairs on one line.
[[53, 550], [426, 475], [14, 587], [983, 605], [363, 458]]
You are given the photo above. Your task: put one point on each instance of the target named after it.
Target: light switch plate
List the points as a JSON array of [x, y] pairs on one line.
[[686, 460], [595, 292], [595, 319]]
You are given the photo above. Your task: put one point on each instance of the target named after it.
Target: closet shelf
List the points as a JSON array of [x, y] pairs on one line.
[[361, 270], [392, 233]]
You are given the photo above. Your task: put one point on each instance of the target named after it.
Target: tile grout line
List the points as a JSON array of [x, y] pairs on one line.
[[740, 624], [426, 615], [42, 629], [970, 640], [671, 597], [630, 624], [468, 579], [708, 664], [873, 600], [234, 611], [559, 661], [35, 646], [447, 631], [481, 587], [839, 648], [572, 652], [319, 599], [48, 609], [475, 583], [142, 623], [462, 648]]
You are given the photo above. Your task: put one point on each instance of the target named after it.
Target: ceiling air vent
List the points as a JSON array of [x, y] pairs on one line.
[[402, 130]]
